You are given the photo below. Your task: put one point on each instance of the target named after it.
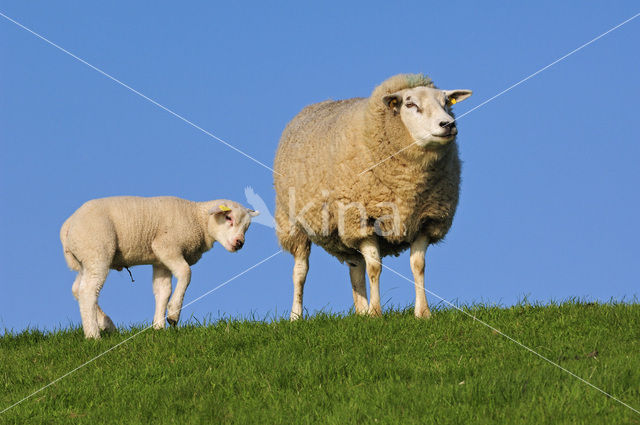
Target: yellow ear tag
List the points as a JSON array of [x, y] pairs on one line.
[[453, 101], [225, 208]]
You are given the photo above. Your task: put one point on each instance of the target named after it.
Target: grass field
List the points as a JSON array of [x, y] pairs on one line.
[[336, 370]]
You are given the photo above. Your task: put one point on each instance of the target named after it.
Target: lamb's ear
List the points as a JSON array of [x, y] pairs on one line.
[[219, 208], [455, 96], [253, 213], [393, 101]]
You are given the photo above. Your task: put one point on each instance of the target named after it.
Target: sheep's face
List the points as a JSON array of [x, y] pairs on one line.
[[425, 112], [228, 222]]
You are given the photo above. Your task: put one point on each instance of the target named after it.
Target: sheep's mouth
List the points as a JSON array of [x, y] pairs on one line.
[[445, 137], [436, 142]]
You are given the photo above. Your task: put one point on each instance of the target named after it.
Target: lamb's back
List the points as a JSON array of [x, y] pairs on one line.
[[129, 225]]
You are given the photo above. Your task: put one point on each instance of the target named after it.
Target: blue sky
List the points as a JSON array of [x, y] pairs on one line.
[[549, 203]]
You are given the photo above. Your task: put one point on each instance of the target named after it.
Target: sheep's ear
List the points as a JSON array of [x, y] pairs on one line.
[[253, 213], [455, 96], [393, 101]]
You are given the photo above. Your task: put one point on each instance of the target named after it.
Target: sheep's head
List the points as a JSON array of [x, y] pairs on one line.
[[426, 113], [228, 222]]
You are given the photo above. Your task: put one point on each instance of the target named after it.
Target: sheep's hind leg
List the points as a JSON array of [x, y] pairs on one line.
[[417, 261], [358, 285], [162, 292], [90, 286], [371, 252], [300, 269]]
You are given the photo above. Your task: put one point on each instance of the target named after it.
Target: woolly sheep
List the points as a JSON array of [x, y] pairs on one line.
[[169, 233], [369, 177]]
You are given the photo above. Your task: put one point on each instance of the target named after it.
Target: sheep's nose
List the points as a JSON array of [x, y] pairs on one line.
[[449, 124], [239, 244]]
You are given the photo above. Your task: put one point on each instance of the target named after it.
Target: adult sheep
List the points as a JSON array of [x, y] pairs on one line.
[[169, 233], [369, 177]]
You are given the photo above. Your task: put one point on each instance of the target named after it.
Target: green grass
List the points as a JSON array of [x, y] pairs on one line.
[[337, 370]]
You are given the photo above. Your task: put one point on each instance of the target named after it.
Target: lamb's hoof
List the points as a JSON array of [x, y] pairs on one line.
[[92, 335], [172, 321], [107, 325], [158, 325]]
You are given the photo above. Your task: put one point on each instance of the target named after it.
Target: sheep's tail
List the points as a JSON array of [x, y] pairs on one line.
[[71, 259]]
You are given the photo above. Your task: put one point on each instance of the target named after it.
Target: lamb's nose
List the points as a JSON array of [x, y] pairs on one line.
[[239, 244]]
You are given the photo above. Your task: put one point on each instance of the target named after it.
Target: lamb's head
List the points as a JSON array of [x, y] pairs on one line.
[[426, 113], [228, 222]]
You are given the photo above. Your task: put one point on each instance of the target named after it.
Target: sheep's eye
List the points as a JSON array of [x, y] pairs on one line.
[[410, 104]]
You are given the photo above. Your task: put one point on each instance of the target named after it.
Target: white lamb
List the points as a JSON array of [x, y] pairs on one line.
[[169, 233]]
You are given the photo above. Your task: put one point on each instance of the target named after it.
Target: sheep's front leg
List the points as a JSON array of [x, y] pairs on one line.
[[179, 267], [162, 292], [300, 269], [359, 286], [417, 261], [371, 252]]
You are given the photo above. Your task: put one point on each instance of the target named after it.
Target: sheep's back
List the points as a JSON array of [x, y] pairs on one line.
[[310, 142]]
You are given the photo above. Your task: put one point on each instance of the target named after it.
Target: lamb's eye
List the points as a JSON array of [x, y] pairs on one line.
[[411, 105]]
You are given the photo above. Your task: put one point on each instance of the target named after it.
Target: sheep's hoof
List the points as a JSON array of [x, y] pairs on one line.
[[375, 312], [295, 316], [172, 321], [423, 314]]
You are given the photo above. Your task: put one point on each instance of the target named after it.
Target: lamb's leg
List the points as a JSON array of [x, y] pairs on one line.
[[181, 270], [371, 252], [300, 269], [104, 321], [162, 292], [358, 284], [75, 289], [418, 251], [92, 281]]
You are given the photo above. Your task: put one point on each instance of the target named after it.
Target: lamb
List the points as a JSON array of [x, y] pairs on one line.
[[369, 177], [167, 232]]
